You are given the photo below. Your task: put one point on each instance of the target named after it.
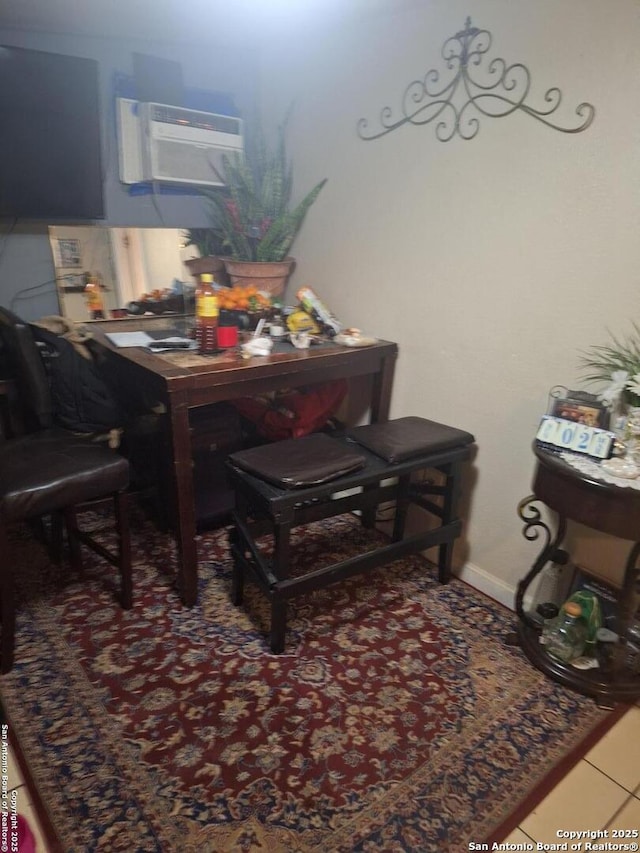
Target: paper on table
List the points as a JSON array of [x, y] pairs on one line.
[[129, 339]]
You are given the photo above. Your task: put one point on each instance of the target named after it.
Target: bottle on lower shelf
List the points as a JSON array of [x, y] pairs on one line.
[[567, 636], [546, 614]]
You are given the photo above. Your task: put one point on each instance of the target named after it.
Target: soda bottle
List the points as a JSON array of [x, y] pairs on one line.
[[206, 315], [567, 638]]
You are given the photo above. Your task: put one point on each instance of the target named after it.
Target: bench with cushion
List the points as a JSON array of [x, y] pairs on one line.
[[294, 482]]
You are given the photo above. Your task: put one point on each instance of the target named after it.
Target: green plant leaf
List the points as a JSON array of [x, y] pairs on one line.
[[600, 362], [619, 354], [276, 243], [251, 212], [208, 241]]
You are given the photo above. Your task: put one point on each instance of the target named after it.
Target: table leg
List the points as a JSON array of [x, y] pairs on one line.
[[630, 589], [451, 496], [381, 391], [237, 549], [402, 506], [278, 625], [185, 508], [534, 526], [380, 406]]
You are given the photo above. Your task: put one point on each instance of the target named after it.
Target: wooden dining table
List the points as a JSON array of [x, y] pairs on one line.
[[187, 380]]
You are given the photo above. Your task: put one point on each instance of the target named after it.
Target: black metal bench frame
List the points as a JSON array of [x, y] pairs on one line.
[[262, 508]]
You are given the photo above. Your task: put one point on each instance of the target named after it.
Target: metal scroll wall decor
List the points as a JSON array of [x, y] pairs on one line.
[[494, 90]]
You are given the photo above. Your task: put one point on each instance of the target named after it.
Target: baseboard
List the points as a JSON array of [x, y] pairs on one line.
[[488, 584]]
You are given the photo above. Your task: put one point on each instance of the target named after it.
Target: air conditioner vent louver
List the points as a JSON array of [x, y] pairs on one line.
[[188, 163], [193, 118]]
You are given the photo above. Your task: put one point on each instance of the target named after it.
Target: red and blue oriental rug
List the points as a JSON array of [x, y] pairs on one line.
[[396, 720]]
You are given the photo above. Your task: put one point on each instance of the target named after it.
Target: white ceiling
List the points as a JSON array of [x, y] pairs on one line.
[[186, 20]]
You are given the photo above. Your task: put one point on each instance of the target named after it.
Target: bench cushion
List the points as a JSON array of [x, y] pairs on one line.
[[403, 438], [296, 463]]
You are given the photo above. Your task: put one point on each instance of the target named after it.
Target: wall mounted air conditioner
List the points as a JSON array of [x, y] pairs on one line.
[[159, 142]]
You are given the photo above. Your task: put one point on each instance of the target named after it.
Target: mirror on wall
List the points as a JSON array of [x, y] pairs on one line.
[[118, 264]]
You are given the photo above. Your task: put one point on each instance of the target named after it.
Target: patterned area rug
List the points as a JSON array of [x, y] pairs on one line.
[[396, 720]]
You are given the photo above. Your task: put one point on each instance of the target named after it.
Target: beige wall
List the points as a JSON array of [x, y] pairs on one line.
[[491, 262]]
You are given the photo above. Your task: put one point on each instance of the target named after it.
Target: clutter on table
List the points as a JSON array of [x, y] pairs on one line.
[[226, 318]]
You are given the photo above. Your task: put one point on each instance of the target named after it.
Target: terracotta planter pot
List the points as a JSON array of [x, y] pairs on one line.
[[211, 264], [268, 276]]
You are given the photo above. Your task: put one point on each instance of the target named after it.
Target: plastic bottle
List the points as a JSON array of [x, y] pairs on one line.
[[607, 645], [276, 327], [566, 639], [547, 614], [206, 315]]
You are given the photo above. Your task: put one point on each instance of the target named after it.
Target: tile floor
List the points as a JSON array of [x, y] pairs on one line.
[[602, 792]]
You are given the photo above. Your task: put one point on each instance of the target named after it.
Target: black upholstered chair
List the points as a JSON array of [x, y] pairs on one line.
[[48, 471]]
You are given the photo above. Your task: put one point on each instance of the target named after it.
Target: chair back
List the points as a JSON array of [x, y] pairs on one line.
[[27, 367]]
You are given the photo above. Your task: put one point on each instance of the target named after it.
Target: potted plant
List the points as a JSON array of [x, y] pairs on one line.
[[252, 213], [618, 365]]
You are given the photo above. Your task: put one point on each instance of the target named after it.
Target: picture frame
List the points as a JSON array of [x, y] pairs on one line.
[[581, 408], [69, 254]]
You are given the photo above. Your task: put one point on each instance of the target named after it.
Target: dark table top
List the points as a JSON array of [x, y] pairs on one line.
[[602, 506]]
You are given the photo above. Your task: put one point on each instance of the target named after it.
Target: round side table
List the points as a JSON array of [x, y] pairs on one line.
[[610, 509]]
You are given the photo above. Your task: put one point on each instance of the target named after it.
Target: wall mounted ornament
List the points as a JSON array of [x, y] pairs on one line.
[[492, 89]]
